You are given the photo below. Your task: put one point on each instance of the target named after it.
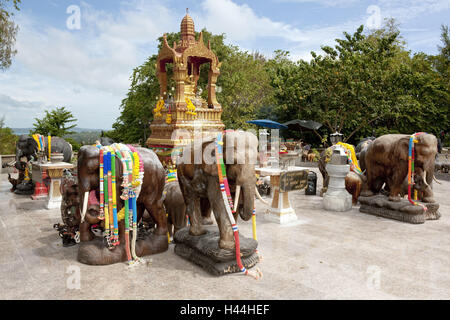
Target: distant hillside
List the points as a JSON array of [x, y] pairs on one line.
[[20, 131]]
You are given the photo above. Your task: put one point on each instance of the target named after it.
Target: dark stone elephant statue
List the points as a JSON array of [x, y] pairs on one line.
[[150, 199], [27, 147], [386, 163], [200, 181]]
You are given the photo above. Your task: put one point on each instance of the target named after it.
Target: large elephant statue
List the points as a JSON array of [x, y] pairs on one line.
[[386, 162], [27, 147], [199, 181], [150, 199]]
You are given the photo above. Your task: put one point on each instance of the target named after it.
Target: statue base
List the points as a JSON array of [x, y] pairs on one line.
[[204, 251], [25, 188], [379, 205], [95, 252]]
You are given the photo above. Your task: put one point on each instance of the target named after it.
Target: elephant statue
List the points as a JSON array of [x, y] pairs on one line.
[[150, 199], [199, 181], [27, 147], [386, 162], [353, 180]]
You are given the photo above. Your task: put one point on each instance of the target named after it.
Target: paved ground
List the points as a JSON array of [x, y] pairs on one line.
[[325, 255]]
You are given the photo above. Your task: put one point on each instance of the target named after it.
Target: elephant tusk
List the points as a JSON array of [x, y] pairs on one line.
[[260, 198], [425, 178], [236, 197], [434, 178], [85, 203]]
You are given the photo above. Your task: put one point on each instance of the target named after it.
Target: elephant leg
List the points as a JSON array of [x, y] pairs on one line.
[[156, 242], [223, 222], [85, 232], [206, 211], [395, 182], [428, 195], [156, 210]]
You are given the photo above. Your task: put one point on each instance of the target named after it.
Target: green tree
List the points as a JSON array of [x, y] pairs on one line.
[[8, 32], [7, 139], [55, 123]]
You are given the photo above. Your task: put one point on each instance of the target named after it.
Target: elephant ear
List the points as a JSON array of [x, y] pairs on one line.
[[32, 142], [400, 149], [209, 163]]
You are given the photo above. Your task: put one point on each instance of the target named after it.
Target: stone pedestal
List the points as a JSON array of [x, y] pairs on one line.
[[280, 211], [55, 172], [204, 251], [337, 198], [403, 210]]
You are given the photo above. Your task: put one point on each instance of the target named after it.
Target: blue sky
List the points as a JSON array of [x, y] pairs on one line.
[[88, 69]]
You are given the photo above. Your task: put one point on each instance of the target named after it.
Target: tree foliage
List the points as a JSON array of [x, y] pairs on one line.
[[7, 139], [55, 123], [366, 84], [8, 32]]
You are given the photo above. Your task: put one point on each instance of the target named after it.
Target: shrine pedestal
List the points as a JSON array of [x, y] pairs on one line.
[[55, 172], [281, 183], [39, 175]]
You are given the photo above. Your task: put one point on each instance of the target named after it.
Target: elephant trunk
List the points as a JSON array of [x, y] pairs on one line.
[[19, 155], [248, 197]]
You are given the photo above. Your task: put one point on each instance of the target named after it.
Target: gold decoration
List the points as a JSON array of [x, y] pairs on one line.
[[190, 107], [158, 108]]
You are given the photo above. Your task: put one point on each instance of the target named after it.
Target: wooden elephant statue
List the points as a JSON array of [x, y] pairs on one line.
[[200, 181], [149, 198], [386, 162]]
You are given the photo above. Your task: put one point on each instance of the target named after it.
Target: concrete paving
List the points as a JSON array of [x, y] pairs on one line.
[[324, 255]]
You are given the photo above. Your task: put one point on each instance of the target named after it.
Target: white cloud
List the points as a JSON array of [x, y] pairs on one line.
[[327, 3], [406, 10], [240, 23]]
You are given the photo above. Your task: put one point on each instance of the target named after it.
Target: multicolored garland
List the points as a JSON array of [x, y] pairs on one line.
[[351, 156], [228, 201], [412, 140], [133, 173]]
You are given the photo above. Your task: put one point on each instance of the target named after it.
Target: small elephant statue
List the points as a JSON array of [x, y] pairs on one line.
[[353, 180], [70, 210], [386, 162]]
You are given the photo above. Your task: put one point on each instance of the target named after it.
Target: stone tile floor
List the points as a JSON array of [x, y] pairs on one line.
[[324, 255]]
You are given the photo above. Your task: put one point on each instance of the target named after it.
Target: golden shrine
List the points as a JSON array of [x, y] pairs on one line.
[[184, 109]]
